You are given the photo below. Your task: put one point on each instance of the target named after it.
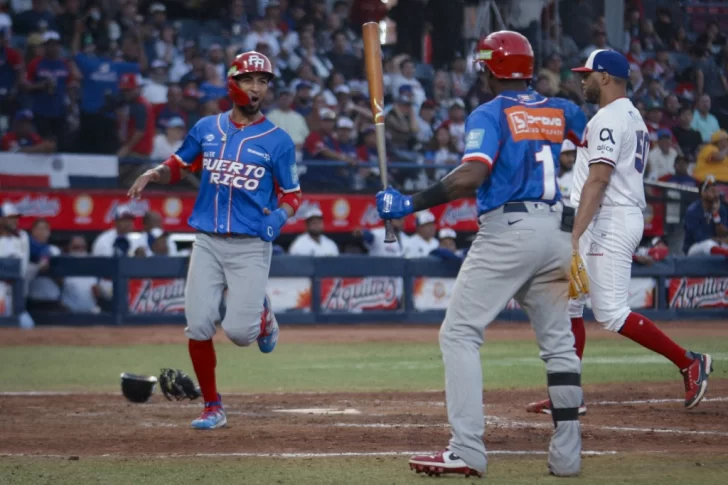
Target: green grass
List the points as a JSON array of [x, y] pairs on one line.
[[612, 470], [332, 367]]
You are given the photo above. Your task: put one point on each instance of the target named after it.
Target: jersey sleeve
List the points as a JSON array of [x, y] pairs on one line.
[[84, 64], [575, 123], [191, 148], [482, 138], [285, 170], [604, 143]]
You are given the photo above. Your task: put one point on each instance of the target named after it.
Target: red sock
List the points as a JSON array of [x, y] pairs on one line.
[[577, 328], [641, 330], [204, 360], [719, 250]]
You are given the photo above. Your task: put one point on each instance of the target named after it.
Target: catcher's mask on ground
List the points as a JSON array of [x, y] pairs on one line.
[[137, 388]]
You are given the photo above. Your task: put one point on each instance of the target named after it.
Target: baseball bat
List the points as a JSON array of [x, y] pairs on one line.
[[373, 63]]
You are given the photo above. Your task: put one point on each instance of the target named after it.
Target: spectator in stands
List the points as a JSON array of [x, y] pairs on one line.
[[423, 242], [323, 145], [681, 175], [261, 32], [43, 293], [713, 158], [117, 241], [688, 139], [307, 53], [183, 65], [374, 241], [172, 108], [455, 123], [216, 58], [191, 105], [38, 19], [599, 41], [479, 93], [303, 98], [137, 121], [11, 72], [345, 136], [402, 122], [152, 225], [460, 79], [661, 160], [289, 120], [671, 114], [214, 87], [653, 120], [706, 232], [169, 142], [158, 21], [711, 40], [441, 88], [155, 88], [448, 250], [14, 243], [709, 77], [560, 43], [197, 74], [67, 19], [341, 57], [665, 28], [313, 242], [703, 121], [441, 150], [426, 122], [404, 75], [567, 157], [48, 78], [80, 293], [165, 47], [552, 72], [23, 138]]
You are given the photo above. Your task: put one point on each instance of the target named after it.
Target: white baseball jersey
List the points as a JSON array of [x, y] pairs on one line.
[[617, 136], [377, 247], [417, 247], [305, 245], [565, 181]]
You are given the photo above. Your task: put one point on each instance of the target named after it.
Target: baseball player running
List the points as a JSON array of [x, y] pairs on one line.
[[511, 160], [608, 193], [249, 188]]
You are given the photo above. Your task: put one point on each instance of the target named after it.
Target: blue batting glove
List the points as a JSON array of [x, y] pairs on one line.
[[393, 205], [271, 224]]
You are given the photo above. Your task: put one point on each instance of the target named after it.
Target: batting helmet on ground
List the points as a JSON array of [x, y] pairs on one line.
[[245, 63], [137, 388], [508, 55]]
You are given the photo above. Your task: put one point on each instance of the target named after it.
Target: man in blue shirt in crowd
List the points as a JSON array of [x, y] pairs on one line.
[[706, 230], [99, 98], [38, 19]]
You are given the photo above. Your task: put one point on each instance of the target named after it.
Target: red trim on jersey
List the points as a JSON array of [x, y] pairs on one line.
[[477, 157]]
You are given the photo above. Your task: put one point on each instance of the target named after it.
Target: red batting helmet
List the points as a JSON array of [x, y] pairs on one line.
[[246, 62], [508, 55]]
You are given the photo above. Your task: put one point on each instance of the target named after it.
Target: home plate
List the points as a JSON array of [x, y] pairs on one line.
[[319, 411]]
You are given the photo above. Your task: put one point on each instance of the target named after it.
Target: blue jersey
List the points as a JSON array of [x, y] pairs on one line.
[[100, 78], [519, 135], [241, 171]]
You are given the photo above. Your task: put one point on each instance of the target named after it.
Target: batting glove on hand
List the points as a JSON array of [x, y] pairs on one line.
[[272, 223], [393, 205], [578, 278]]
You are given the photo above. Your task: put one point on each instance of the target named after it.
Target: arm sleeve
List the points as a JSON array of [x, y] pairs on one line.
[[83, 64], [313, 144], [575, 123], [191, 148], [482, 138], [139, 115], [285, 170], [604, 143]]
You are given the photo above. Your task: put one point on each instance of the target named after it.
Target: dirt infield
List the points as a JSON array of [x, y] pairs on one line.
[[636, 417]]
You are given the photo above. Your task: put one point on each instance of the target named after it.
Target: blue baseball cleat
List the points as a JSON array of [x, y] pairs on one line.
[[268, 337], [212, 417]]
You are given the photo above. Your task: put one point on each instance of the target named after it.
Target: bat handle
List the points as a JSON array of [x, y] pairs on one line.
[[389, 234]]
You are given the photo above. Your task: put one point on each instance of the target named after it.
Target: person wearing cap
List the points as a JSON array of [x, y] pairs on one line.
[[423, 241], [43, 292], [23, 138], [48, 78], [455, 123], [323, 145], [653, 118], [681, 175], [169, 141], [609, 198], [261, 32], [139, 122], [346, 136], [373, 240], [704, 122], [661, 160], [567, 157], [313, 242], [706, 223], [15, 243], [158, 12], [117, 241], [713, 158], [288, 119], [155, 87], [448, 250], [402, 122]]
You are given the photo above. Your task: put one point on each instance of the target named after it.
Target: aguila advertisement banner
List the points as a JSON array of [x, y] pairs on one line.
[[697, 293], [75, 210]]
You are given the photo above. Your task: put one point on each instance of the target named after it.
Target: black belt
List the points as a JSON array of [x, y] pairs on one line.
[[514, 207], [228, 235]]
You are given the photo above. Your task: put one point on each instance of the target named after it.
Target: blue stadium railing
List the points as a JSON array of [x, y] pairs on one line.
[[120, 271]]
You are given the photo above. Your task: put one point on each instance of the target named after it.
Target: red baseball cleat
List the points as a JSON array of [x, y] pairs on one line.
[[544, 407], [441, 463], [696, 379]]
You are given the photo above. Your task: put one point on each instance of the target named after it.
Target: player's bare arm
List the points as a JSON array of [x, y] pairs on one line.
[[591, 198], [460, 183], [167, 173]]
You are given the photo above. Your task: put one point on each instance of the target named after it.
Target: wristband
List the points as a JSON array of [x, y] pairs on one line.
[[293, 199], [174, 170]]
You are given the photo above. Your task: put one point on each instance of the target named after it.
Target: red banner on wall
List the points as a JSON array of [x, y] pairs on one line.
[[697, 293], [74, 210]]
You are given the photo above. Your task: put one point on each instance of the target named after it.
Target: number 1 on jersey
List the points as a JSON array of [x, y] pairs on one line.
[[546, 158]]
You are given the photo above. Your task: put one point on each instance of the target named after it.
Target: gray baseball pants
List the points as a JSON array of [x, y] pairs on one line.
[[523, 255], [242, 265]]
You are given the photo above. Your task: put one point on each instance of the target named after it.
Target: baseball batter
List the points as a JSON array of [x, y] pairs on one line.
[[608, 194], [249, 188], [511, 159]]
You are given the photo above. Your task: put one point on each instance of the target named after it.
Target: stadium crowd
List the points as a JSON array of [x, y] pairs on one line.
[[129, 79]]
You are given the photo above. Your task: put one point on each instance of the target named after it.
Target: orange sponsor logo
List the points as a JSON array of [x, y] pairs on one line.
[[542, 124]]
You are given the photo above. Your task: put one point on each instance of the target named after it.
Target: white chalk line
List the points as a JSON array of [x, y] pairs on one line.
[[293, 455], [653, 401]]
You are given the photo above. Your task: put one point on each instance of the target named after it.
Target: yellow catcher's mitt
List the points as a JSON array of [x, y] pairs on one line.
[[578, 278]]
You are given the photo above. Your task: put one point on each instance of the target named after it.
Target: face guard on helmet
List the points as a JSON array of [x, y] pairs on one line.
[[247, 62], [508, 55]]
